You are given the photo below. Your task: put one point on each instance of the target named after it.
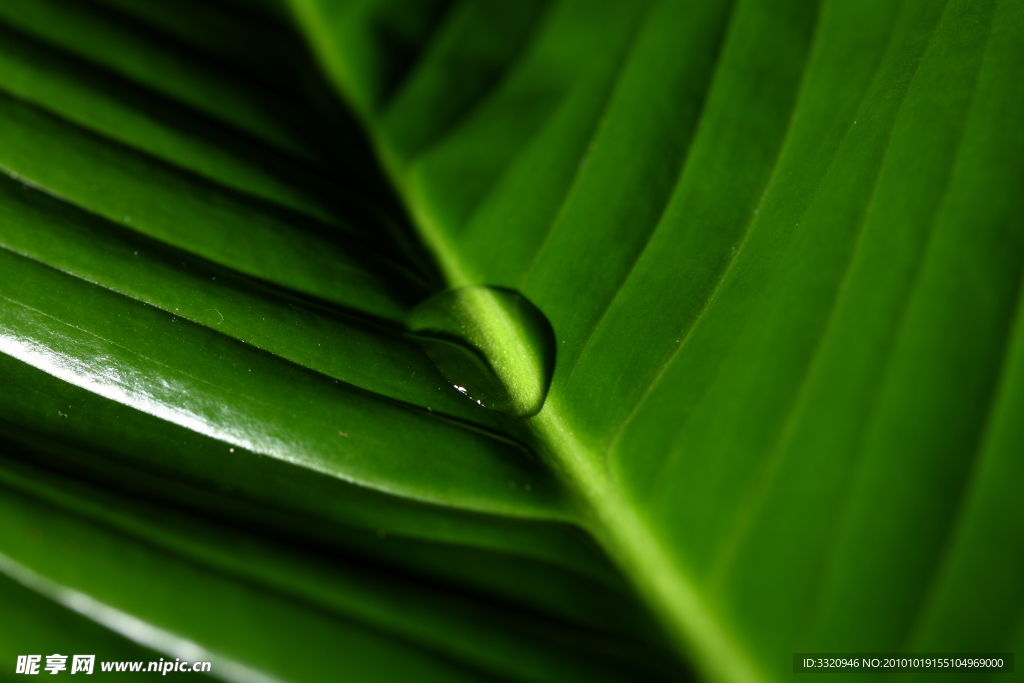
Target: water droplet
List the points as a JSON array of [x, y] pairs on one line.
[[493, 345]]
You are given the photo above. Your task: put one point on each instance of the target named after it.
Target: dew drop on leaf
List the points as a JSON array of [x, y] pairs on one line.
[[491, 344]]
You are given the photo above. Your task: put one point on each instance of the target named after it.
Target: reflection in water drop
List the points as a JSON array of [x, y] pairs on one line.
[[492, 344]]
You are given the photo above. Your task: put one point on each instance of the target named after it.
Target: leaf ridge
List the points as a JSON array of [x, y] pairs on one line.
[[118, 88], [406, 405], [595, 130], [666, 203], [608, 91], [956, 530], [945, 557], [772, 463], [47, 30], [127, 625], [844, 513], [458, 120], [271, 441], [685, 335]]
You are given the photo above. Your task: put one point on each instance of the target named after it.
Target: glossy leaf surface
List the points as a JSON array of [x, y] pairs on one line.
[[766, 388]]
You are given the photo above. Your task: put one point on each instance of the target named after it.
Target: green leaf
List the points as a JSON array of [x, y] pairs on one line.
[[741, 280]]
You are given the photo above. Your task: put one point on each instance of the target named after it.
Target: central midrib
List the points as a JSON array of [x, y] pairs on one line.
[[627, 537], [623, 532]]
